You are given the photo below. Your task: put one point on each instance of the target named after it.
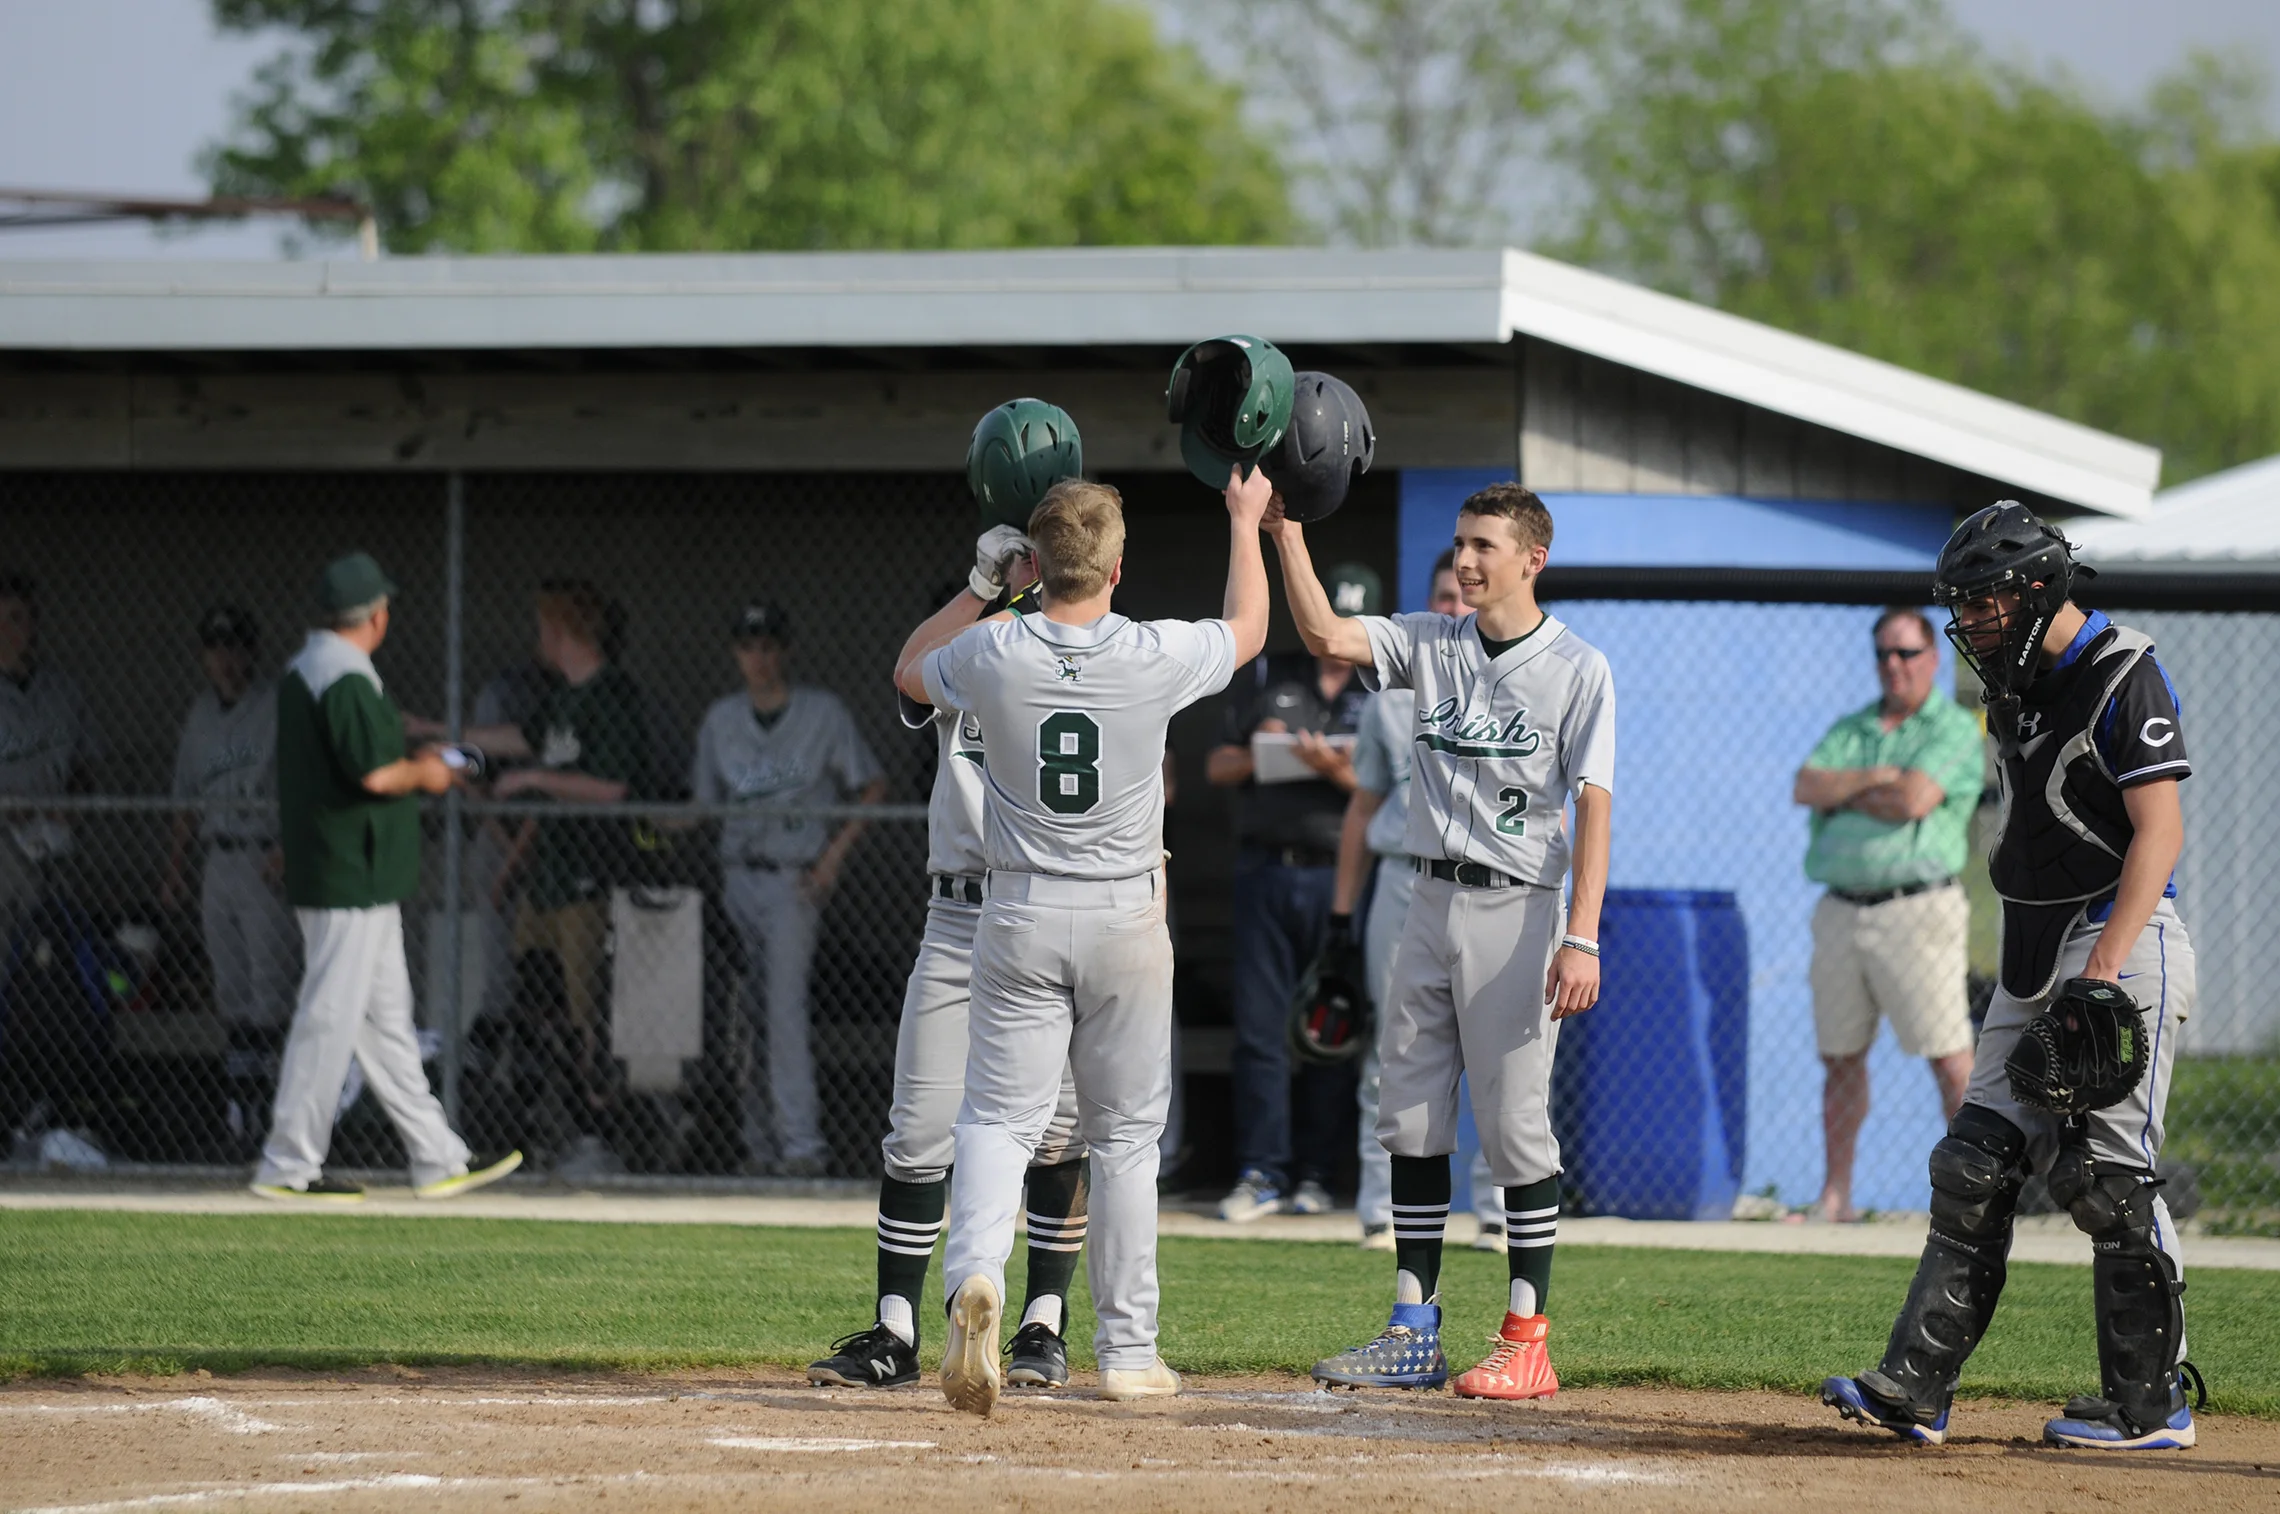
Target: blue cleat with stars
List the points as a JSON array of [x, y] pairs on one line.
[[1406, 1354]]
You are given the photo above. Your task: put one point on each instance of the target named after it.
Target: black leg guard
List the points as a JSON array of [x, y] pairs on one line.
[[1976, 1173], [2141, 1314]]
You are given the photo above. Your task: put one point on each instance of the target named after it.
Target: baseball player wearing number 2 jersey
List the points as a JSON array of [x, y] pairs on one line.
[[1073, 962], [1515, 714]]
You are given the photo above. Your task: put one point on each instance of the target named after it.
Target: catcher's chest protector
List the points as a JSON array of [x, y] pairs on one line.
[[2065, 827]]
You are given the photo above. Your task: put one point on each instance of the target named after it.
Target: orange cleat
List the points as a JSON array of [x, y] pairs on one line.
[[1519, 1367]]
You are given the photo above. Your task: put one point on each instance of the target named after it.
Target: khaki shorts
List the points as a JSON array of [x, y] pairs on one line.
[[1905, 960]]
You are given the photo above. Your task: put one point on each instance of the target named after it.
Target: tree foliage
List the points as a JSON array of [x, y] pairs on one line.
[[566, 125], [1418, 122], [1850, 170]]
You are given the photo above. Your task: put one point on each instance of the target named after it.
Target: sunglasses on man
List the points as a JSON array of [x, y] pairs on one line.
[[1905, 654]]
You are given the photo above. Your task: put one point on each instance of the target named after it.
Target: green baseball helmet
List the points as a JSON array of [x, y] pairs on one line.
[[1231, 398], [1021, 449]]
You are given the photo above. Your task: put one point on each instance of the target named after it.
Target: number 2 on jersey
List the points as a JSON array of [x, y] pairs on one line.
[[1513, 819], [1068, 762]]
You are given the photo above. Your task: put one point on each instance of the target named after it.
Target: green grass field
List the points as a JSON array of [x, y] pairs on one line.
[[101, 1292]]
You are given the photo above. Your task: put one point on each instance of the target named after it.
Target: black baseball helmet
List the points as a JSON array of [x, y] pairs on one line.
[[1328, 446], [2004, 549], [1330, 1018]]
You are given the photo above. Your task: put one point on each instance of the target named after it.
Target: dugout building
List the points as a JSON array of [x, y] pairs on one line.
[[693, 432]]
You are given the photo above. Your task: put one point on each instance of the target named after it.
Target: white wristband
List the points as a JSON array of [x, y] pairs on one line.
[[1584, 944]]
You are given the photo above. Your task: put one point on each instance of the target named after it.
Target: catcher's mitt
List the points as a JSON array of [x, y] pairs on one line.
[[2087, 1051], [1331, 1019]]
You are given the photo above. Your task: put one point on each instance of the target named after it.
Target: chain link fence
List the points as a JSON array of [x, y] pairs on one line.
[[1699, 1088], [620, 977], [614, 961]]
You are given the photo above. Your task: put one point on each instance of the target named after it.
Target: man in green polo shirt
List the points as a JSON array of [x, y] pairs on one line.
[[350, 825], [1892, 787]]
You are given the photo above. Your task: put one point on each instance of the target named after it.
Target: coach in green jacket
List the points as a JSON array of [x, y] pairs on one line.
[[349, 819]]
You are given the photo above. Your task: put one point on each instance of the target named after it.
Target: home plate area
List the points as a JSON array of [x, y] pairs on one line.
[[463, 1439]]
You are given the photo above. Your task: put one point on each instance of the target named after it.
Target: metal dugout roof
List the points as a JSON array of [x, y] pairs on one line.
[[1042, 309]]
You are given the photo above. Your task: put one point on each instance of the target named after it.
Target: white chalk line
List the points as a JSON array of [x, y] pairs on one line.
[[813, 1443], [224, 1416]]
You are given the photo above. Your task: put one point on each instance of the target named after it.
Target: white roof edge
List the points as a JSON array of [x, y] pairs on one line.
[[1055, 297], [1827, 385]]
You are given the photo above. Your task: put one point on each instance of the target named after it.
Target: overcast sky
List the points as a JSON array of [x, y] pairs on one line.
[[120, 94]]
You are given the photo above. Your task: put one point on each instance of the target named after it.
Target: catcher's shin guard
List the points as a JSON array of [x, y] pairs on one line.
[[1976, 1175], [2141, 1311]]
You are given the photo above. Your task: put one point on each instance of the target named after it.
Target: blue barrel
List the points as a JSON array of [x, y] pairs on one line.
[[1652, 1086]]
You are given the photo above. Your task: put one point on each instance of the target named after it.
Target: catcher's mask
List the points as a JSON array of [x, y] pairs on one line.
[[1330, 1019], [1328, 446], [1231, 398], [2001, 577], [1021, 449], [2087, 1051]]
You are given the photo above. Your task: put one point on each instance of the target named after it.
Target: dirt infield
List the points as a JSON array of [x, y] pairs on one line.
[[470, 1440]]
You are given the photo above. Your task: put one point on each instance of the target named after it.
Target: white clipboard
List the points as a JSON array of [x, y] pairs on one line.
[[1275, 759]]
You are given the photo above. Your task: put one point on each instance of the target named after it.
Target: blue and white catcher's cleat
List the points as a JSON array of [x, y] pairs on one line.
[[2097, 1424], [1881, 1403], [1406, 1354]]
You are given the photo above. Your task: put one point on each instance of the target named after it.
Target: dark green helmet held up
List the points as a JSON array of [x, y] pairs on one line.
[[1231, 398], [1021, 449]]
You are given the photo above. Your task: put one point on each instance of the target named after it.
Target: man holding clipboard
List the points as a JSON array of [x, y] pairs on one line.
[[1286, 748]]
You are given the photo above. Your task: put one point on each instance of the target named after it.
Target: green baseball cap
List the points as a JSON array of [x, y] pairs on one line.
[[351, 581], [1355, 590]]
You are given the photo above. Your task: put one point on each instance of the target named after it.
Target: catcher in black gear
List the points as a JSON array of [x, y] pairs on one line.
[[2071, 1075]]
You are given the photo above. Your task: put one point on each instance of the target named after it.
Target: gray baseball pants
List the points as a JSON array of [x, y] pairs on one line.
[[1468, 1001], [1395, 882], [249, 938], [778, 923], [930, 1056], [1077, 972], [356, 1001], [2160, 976]]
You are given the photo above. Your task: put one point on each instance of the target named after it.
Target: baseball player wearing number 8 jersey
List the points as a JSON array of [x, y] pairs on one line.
[[1073, 962], [930, 1060], [1515, 714]]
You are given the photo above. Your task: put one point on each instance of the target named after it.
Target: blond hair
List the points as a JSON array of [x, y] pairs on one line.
[[1078, 529], [1531, 522], [576, 608]]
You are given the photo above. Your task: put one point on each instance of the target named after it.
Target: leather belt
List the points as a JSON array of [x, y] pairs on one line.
[[1467, 874], [960, 887], [1291, 856], [1887, 895]]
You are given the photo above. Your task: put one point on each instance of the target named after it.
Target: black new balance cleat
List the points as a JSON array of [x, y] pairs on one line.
[[873, 1358], [1040, 1358]]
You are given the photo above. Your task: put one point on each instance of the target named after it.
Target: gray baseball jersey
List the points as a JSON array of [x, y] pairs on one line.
[[1497, 746], [810, 755], [44, 733], [954, 809], [231, 754], [1074, 718]]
